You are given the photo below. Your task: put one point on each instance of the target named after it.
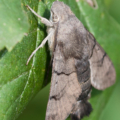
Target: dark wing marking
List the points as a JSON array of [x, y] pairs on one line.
[[64, 92], [102, 70]]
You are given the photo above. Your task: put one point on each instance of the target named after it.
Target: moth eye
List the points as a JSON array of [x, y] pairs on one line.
[[54, 17]]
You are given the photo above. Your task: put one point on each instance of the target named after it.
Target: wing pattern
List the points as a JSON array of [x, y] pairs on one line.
[[65, 89], [102, 70]]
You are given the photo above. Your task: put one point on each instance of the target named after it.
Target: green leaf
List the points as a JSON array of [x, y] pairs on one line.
[[19, 83], [13, 23]]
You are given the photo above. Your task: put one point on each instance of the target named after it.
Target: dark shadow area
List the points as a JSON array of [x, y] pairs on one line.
[[48, 68], [95, 92], [3, 52]]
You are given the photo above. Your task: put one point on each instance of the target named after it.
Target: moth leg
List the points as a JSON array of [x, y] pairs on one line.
[[40, 46], [81, 109], [43, 20]]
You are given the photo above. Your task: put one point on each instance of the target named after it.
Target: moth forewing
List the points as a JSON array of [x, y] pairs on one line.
[[78, 62]]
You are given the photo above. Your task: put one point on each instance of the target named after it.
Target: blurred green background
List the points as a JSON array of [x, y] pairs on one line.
[[36, 109]]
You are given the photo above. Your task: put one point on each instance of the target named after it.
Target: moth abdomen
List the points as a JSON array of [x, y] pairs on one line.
[[85, 93], [83, 69], [82, 108]]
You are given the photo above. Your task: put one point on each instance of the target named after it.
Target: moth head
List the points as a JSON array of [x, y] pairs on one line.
[[60, 12], [54, 17]]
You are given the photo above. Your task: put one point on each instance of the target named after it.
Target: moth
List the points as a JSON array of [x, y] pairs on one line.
[[78, 63]]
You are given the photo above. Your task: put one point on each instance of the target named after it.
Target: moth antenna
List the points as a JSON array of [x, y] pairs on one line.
[[43, 20], [41, 45]]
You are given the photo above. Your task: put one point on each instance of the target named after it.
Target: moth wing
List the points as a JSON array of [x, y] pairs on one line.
[[102, 70], [64, 90]]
